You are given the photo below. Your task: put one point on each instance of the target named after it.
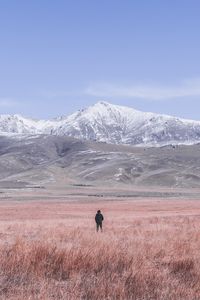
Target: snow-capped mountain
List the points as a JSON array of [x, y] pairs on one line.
[[110, 123]]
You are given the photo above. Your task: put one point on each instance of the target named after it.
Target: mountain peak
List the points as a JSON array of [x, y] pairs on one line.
[[121, 108], [105, 103]]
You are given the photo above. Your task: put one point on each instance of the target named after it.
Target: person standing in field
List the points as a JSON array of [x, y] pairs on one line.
[[99, 219]]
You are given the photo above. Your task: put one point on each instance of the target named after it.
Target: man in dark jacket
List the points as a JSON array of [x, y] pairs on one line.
[[99, 219]]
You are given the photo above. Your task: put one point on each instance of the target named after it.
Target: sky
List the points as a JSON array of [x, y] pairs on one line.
[[60, 56]]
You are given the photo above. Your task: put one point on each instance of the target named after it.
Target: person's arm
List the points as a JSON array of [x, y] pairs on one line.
[[102, 217]]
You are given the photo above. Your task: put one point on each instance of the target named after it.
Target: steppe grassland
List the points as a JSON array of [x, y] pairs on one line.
[[148, 250]]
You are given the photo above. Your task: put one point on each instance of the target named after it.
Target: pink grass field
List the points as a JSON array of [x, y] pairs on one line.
[[149, 249]]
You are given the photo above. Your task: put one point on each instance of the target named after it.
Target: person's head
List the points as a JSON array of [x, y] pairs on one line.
[[98, 211]]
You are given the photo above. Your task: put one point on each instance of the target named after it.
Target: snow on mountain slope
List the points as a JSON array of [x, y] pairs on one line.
[[110, 123], [117, 124], [103, 122], [17, 124]]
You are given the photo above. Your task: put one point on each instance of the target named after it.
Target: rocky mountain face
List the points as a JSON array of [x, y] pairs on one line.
[[105, 122]]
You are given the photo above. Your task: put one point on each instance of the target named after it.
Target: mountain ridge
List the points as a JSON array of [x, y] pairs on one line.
[[105, 122]]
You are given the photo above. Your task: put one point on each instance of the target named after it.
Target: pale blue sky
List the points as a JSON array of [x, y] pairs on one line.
[[59, 56]]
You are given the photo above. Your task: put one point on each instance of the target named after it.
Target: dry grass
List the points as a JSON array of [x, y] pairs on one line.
[[148, 250]]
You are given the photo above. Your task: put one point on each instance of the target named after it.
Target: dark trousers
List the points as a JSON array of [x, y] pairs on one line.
[[99, 225]]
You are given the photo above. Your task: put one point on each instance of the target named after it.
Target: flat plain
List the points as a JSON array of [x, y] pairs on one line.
[[149, 247]]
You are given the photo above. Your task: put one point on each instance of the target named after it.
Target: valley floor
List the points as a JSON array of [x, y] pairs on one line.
[[149, 248]]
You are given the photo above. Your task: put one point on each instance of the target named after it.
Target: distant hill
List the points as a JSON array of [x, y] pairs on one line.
[[27, 161]]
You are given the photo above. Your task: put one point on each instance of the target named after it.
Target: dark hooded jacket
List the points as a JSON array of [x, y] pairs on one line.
[[99, 218]]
